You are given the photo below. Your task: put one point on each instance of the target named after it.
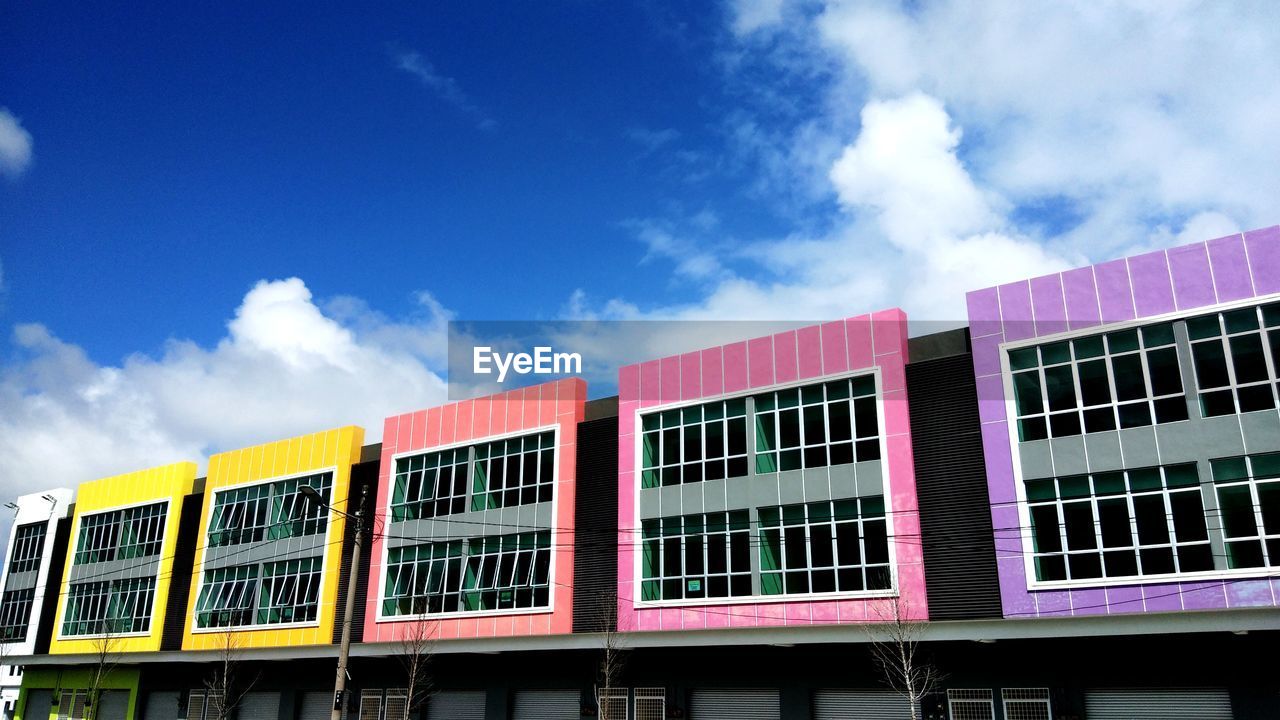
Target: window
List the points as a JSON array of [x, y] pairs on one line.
[[1248, 490], [651, 703], [226, 596], [15, 614], [430, 484], [1026, 704], [823, 547], [1122, 379], [831, 423], [71, 704], [273, 593], [134, 532], [971, 705], [501, 572], [28, 546], [612, 703], [697, 556], [268, 511], [1235, 354], [692, 444], [516, 471], [109, 607], [1148, 521]]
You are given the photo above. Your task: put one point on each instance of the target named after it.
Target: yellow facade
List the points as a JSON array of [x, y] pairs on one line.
[[167, 482], [334, 449]]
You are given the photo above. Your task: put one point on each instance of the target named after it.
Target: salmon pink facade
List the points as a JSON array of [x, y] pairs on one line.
[[486, 528]]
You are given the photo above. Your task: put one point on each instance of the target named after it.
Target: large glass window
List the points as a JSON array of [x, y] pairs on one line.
[[109, 607], [15, 614], [268, 511], [226, 596], [823, 547], [430, 484], [121, 534], [1148, 521], [1235, 355], [692, 444], [504, 572], [28, 546], [272, 593], [516, 471], [1248, 490], [697, 556], [1121, 379], [831, 423]]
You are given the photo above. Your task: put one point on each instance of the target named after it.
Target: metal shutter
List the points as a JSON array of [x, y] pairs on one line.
[[735, 705], [547, 705], [456, 705], [39, 705], [259, 706], [1171, 704], [114, 705], [868, 704], [161, 706], [316, 706]]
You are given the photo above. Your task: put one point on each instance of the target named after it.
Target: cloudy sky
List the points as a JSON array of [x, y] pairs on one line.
[[229, 224]]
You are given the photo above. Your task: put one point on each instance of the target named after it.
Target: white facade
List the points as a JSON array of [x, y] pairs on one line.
[[44, 508]]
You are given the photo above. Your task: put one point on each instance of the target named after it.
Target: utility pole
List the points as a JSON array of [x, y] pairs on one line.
[[340, 683]]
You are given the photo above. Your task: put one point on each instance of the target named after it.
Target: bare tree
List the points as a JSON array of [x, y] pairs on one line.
[[224, 688], [106, 655], [416, 646], [895, 649], [613, 658]]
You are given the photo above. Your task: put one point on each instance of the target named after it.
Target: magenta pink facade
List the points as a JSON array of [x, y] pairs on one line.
[[878, 340], [1194, 276]]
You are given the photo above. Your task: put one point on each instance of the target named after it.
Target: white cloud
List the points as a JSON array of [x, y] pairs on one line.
[[446, 88], [15, 145], [285, 367], [968, 144]]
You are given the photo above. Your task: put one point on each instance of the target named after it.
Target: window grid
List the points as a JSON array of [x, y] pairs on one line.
[[1248, 491], [112, 606], [28, 546], [822, 547], [1026, 704], [612, 703], [226, 596], [1139, 522], [501, 572], [697, 556], [967, 704], [430, 484], [15, 614], [515, 471], [1121, 379], [832, 423], [268, 511], [651, 703], [290, 591], [692, 444], [1235, 355], [134, 532]]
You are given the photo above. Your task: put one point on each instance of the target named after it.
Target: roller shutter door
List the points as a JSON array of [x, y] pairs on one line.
[[735, 705], [39, 705], [259, 706], [316, 706], [456, 705], [547, 705], [859, 704], [115, 705], [1189, 704], [161, 705]]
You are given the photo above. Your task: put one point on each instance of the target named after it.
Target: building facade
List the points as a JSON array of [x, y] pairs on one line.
[[1071, 506]]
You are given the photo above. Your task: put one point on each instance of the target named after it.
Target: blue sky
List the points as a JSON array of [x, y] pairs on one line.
[[226, 224]]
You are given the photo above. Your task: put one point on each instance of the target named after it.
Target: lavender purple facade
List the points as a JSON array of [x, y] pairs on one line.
[[1166, 286]]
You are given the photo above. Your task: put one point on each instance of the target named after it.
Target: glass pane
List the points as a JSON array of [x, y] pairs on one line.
[[1094, 387], [838, 423], [1026, 388], [1060, 387], [1078, 517], [1165, 377], [1248, 359], [1129, 378], [1236, 506], [1044, 529], [1153, 523], [1211, 364], [1023, 359]]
